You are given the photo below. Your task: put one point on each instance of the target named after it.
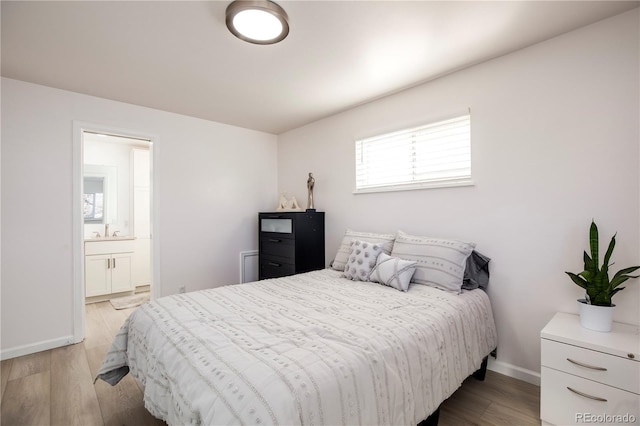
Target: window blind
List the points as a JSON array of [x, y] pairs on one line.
[[435, 154]]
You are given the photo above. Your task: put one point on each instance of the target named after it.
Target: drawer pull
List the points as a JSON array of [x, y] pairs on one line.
[[274, 264], [273, 240], [596, 398], [593, 367]]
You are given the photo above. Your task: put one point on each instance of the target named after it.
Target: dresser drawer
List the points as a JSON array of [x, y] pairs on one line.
[[277, 224], [604, 368], [283, 248], [273, 268], [562, 406]]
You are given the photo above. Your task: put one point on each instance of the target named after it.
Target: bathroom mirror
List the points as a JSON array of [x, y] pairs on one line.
[[100, 196], [93, 200]]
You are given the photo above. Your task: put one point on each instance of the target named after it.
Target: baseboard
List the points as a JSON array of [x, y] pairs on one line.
[[35, 347], [514, 371], [142, 288]]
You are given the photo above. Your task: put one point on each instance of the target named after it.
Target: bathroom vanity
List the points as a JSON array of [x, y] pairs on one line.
[[108, 265]]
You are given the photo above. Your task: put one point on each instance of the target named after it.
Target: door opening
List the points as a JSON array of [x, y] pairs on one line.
[[113, 216]]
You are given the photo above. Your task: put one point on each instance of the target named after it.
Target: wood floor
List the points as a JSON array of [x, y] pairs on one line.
[[55, 387]]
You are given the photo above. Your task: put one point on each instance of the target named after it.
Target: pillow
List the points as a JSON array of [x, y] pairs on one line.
[[441, 262], [362, 258], [476, 272], [342, 256], [393, 272]]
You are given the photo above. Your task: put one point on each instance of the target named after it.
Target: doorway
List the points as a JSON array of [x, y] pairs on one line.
[[114, 217]]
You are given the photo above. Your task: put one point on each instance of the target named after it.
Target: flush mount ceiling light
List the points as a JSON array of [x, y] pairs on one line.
[[257, 21]]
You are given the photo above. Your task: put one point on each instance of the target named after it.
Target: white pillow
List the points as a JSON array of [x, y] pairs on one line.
[[440, 262], [362, 259], [393, 272], [342, 256]]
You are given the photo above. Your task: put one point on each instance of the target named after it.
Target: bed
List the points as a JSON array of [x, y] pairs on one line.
[[313, 348]]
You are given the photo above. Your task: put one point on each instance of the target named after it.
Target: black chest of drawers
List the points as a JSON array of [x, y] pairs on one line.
[[290, 243]]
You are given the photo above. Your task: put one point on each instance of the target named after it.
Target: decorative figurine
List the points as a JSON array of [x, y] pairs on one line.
[[288, 205], [310, 183]]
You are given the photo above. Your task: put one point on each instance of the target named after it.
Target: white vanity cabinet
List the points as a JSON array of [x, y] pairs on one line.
[[107, 266], [588, 376]]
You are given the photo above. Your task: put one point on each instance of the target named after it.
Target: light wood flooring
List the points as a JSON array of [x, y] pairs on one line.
[[55, 387]]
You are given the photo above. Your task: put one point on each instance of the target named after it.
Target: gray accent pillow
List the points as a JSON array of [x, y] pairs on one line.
[[393, 272], [476, 273], [440, 262], [342, 256], [362, 259]]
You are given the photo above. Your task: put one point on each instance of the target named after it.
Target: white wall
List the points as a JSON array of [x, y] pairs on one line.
[[213, 179], [555, 143]]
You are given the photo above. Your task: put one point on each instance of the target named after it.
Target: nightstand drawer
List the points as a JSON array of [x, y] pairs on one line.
[[563, 406], [279, 247], [600, 367], [271, 268]]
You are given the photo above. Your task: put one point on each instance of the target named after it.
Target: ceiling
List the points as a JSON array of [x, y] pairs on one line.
[[178, 56]]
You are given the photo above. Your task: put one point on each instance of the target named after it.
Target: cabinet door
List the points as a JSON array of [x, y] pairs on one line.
[[97, 276], [121, 272], [141, 262]]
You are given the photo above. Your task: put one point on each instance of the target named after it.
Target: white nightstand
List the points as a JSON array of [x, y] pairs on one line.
[[588, 376]]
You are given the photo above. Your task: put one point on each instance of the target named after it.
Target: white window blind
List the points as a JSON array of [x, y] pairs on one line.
[[432, 155]]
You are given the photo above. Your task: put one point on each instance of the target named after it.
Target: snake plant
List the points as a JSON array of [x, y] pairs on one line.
[[594, 279]]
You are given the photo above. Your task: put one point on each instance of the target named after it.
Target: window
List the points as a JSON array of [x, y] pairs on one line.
[[432, 155]]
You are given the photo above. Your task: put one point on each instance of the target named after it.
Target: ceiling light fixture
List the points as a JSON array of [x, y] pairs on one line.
[[257, 21]]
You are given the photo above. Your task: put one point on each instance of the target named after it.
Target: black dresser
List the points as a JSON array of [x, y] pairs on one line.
[[290, 243]]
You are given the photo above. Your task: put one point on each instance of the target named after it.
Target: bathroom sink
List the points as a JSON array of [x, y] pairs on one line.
[[116, 238]]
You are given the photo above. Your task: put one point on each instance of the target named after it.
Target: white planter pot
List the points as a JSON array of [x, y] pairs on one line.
[[597, 318]]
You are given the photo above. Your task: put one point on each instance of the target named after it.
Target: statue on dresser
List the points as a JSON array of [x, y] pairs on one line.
[[288, 204], [310, 184]]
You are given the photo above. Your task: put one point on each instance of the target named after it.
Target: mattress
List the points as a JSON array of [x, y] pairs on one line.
[[312, 348]]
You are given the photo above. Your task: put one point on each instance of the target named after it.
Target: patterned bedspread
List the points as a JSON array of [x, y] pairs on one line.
[[307, 349]]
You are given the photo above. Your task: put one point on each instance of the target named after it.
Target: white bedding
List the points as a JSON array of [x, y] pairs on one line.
[[312, 348]]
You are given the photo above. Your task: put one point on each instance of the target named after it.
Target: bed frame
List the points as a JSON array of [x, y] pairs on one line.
[[479, 374], [113, 367]]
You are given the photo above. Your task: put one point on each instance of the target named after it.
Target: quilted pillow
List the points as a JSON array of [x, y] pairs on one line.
[[393, 272], [342, 256], [440, 262], [362, 259]]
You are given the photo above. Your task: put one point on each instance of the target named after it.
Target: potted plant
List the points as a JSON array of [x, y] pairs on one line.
[[596, 309]]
